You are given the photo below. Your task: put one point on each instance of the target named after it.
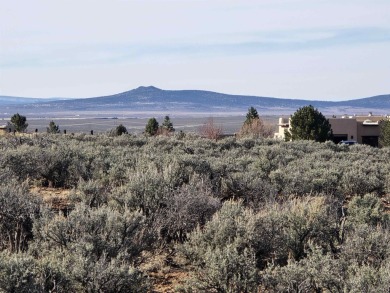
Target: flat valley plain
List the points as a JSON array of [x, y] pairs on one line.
[[230, 124]]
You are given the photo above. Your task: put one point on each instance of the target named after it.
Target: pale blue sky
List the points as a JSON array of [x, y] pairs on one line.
[[310, 49]]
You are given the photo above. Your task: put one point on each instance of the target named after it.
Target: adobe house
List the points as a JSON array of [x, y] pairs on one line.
[[363, 129], [284, 123], [3, 129]]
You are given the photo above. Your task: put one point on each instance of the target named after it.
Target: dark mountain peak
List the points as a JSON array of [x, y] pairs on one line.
[[139, 92], [146, 88]]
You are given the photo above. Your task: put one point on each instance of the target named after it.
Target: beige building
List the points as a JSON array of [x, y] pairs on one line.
[[362, 129], [284, 124], [3, 129]]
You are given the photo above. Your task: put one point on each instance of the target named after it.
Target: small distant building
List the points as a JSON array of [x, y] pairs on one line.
[[284, 123], [3, 129], [362, 129]]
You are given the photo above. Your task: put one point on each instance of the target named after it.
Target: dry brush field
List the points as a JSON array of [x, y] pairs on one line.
[[100, 213]]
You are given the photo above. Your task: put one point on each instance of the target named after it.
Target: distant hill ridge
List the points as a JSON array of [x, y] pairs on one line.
[[10, 100], [154, 100]]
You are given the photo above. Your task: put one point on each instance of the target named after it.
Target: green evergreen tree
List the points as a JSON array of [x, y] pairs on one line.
[[254, 126], [152, 126], [167, 124], [19, 122], [309, 124], [53, 128], [251, 115], [384, 137], [120, 129]]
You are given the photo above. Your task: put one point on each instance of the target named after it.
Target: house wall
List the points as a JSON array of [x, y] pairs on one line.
[[346, 126], [282, 125], [367, 130], [368, 134], [3, 131]]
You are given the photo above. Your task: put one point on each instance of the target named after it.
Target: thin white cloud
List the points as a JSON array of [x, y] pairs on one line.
[[226, 45]]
